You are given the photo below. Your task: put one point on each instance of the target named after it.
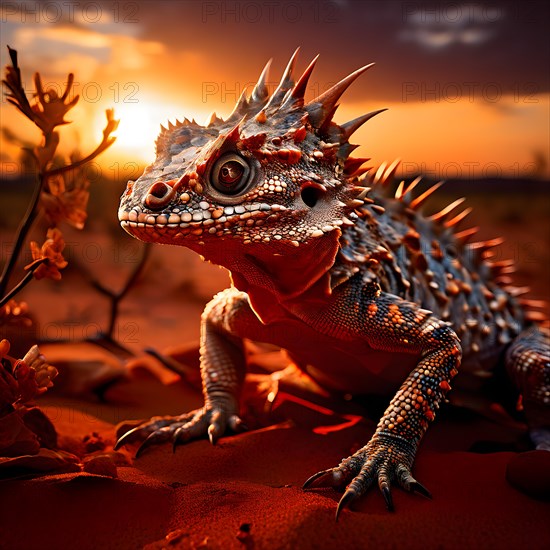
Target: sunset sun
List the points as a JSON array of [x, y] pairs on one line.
[[139, 123], [139, 126]]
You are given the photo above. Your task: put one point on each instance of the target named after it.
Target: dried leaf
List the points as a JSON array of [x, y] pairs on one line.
[[22, 380], [16, 95], [65, 198], [44, 373], [52, 251], [50, 108]]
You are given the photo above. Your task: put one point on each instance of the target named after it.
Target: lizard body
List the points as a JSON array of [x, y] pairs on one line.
[[366, 292]]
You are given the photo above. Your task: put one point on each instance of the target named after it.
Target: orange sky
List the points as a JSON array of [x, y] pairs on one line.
[[456, 110]]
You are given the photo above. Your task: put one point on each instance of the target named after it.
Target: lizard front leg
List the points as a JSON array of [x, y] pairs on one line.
[[222, 372], [390, 323]]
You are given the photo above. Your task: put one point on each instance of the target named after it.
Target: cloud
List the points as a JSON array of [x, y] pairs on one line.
[[60, 37], [68, 47], [129, 53], [65, 34]]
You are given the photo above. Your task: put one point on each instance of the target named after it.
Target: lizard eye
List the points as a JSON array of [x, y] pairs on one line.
[[230, 174]]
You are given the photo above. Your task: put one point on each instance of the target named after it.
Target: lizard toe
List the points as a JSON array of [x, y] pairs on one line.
[[130, 436], [349, 496], [160, 427], [362, 482], [158, 436], [386, 493], [333, 477], [208, 422], [236, 424], [382, 461], [194, 429], [417, 487], [385, 487], [216, 427], [409, 483], [144, 430]]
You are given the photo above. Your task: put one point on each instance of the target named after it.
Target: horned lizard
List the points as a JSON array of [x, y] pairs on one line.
[[354, 284]]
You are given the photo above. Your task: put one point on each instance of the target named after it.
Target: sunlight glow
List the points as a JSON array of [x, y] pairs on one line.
[[139, 127]]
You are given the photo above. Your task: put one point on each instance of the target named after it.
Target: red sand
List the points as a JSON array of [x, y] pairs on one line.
[[200, 497]]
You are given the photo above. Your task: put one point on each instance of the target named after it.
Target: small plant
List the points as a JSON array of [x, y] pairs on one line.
[[61, 192], [61, 195]]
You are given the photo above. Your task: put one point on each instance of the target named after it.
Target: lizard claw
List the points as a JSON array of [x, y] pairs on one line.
[[417, 487], [152, 439], [349, 496], [324, 478], [195, 428], [179, 437], [385, 460], [385, 487], [386, 492], [143, 430], [407, 481], [216, 427], [128, 437], [156, 425], [310, 483], [208, 422]]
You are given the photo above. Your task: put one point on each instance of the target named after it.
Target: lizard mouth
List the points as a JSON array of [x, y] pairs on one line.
[[226, 221]]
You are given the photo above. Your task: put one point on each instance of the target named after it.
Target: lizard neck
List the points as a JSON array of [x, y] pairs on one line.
[[275, 276]]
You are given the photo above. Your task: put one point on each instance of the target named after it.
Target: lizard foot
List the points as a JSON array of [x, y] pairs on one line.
[[209, 421], [385, 459]]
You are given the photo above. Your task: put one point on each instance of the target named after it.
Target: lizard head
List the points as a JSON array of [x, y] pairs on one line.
[[276, 174]]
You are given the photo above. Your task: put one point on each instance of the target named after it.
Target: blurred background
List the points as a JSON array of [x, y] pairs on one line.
[[466, 83], [467, 86]]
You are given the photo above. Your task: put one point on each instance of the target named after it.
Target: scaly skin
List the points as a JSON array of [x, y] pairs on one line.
[[352, 283]]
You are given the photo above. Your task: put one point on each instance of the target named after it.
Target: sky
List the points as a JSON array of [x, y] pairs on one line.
[[467, 84]]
